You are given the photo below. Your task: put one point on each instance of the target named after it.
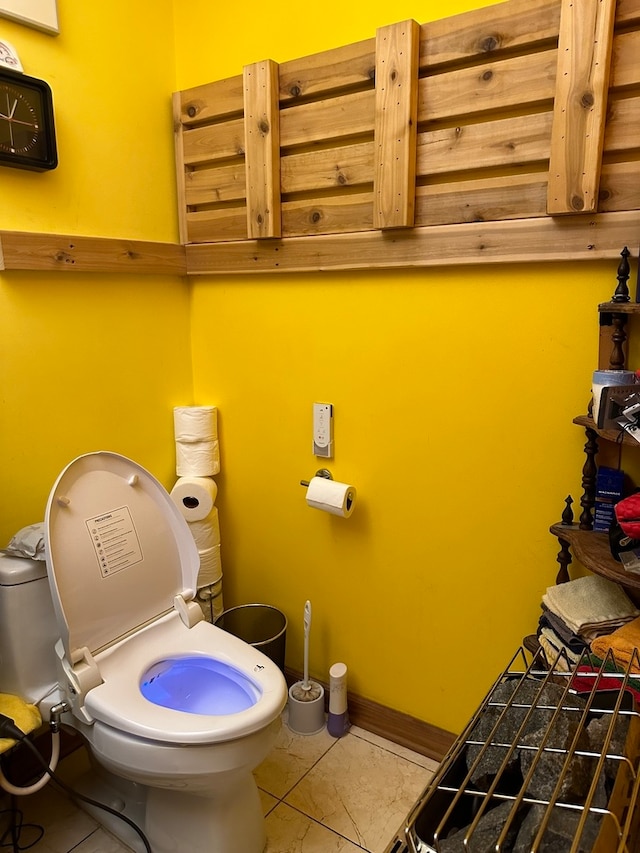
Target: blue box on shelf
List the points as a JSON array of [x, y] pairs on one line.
[[609, 483]]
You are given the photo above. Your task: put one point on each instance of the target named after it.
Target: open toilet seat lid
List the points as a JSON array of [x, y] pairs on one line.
[[118, 551]]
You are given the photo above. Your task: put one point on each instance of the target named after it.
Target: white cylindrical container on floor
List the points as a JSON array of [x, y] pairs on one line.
[[338, 720]]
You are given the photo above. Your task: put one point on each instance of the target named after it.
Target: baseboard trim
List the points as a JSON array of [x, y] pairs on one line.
[[388, 723]]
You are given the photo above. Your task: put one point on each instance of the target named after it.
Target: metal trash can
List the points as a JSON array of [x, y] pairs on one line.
[[260, 625]]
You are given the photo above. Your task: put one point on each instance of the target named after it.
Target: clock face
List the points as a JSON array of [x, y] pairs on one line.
[[19, 124], [27, 137]]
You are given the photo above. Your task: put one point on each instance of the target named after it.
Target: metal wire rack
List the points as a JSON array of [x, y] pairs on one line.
[[549, 763]]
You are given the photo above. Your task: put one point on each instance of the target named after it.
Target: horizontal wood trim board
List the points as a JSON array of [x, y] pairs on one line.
[[23, 250], [538, 239], [570, 238], [395, 726]]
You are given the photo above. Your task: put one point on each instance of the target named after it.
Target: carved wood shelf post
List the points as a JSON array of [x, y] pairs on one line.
[[617, 360], [622, 290], [565, 559], [589, 473]]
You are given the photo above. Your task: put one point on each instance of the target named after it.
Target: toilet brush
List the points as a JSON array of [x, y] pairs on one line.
[[306, 691], [306, 697]]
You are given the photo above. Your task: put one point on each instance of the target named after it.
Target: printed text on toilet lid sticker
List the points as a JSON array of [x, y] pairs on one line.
[[115, 540]]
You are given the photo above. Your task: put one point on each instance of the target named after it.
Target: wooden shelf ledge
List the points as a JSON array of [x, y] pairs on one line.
[[614, 435], [592, 551], [619, 307], [24, 250]]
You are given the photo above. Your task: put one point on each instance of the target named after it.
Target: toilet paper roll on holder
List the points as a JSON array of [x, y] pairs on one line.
[[323, 472]]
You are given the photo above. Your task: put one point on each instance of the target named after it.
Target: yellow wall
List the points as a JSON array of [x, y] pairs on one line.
[[453, 395], [110, 69], [453, 391], [93, 362]]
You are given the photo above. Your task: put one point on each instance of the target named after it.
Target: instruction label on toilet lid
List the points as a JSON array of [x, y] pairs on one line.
[[115, 540]]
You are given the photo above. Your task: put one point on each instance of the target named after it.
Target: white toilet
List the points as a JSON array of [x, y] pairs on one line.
[[178, 712]]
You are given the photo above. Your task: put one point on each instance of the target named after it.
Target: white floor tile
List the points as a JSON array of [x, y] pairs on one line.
[[288, 831], [396, 749], [64, 824], [101, 842], [293, 756], [361, 791], [268, 802]]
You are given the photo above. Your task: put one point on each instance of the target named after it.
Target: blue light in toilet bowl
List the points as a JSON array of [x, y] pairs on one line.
[[199, 685]]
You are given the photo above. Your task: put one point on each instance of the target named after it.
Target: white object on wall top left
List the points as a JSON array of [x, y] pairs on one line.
[[41, 14]]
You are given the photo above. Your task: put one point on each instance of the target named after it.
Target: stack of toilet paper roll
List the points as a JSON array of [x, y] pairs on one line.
[[197, 449], [195, 492]]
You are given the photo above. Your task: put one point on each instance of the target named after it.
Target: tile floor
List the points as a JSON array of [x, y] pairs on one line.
[[320, 795]]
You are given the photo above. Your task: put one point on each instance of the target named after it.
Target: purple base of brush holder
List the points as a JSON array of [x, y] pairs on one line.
[[338, 724]]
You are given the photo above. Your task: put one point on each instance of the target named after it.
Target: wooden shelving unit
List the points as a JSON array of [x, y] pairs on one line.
[[591, 548]]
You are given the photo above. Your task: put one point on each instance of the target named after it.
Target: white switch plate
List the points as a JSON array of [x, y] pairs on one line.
[[323, 430]]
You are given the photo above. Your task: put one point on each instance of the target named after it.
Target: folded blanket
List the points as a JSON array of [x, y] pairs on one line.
[[623, 645], [591, 605], [25, 716], [559, 663], [572, 641]]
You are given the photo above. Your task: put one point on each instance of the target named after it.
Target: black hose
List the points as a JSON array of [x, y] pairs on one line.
[[9, 729]]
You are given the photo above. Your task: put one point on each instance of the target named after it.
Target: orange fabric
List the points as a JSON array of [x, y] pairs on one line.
[[622, 643]]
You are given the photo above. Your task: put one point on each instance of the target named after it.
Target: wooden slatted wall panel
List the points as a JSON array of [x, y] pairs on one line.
[[262, 149], [487, 99], [396, 111], [584, 58]]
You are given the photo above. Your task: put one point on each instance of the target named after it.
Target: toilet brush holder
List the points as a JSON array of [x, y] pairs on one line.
[[306, 708]]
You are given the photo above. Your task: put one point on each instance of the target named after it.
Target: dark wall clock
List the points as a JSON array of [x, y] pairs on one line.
[[27, 130]]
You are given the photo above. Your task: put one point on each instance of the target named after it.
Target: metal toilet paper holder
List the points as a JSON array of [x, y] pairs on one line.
[[323, 472]]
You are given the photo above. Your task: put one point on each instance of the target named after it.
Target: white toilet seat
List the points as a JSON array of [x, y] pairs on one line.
[[119, 702], [123, 568], [118, 551]]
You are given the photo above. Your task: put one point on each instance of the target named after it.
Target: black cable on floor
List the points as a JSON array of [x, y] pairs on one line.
[[76, 795], [11, 837]]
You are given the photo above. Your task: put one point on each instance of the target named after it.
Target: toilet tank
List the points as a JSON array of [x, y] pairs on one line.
[[28, 629]]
